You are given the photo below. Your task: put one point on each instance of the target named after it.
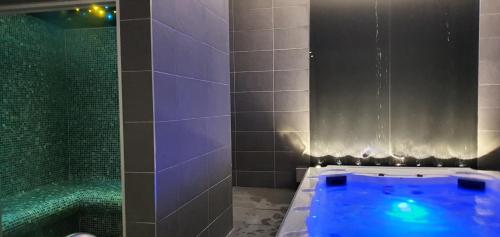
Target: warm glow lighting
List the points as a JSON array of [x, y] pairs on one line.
[[101, 12], [78, 9]]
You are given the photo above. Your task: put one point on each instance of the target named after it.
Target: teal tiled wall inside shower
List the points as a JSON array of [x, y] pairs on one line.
[[33, 108], [59, 112]]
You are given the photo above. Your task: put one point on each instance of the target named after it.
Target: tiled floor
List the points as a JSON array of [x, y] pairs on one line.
[[258, 212]]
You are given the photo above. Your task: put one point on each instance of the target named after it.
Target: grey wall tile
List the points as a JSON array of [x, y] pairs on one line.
[[138, 147], [139, 197], [218, 132], [291, 59], [253, 61], [193, 217], [222, 225], [220, 197], [291, 38], [255, 179], [140, 229], [253, 40], [489, 49], [137, 96], [286, 180], [251, 4], [291, 101], [283, 3], [133, 9], [218, 7], [254, 121], [164, 44], [169, 226], [489, 119], [165, 96], [219, 165], [292, 121], [253, 81], [254, 19], [291, 141], [253, 101], [255, 161], [254, 141], [194, 178], [489, 96], [294, 16], [287, 160], [168, 188], [488, 25], [135, 45], [216, 66], [490, 6], [291, 80], [489, 72]]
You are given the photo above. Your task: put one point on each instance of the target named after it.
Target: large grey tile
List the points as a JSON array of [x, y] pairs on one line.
[[217, 66], [254, 141], [137, 96], [165, 97], [489, 72], [220, 197], [255, 121], [489, 96], [294, 16], [218, 7], [253, 40], [489, 49], [253, 101], [291, 38], [251, 4], [286, 180], [167, 191], [164, 44], [194, 178], [292, 121], [255, 179], [222, 225], [286, 160], [219, 165], [253, 81], [138, 147], [193, 217], [217, 31], [292, 141], [140, 229], [218, 132], [191, 18], [291, 101], [291, 59], [253, 61], [489, 119], [169, 226], [255, 19], [135, 45], [255, 161], [488, 25], [284, 3], [291, 80], [133, 9], [488, 142], [490, 6], [140, 197]]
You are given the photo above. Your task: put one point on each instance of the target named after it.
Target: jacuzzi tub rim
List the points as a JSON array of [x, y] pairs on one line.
[[294, 223]]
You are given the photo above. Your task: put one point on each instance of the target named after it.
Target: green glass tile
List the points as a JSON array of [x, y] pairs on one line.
[[59, 120]]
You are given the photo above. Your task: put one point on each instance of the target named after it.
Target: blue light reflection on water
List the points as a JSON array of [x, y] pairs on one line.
[[370, 209]]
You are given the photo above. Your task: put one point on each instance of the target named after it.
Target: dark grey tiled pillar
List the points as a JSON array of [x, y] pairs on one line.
[[270, 90], [489, 85], [176, 109]]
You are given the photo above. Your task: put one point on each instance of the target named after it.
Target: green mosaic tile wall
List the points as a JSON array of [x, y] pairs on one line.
[[59, 118], [93, 116], [33, 107]]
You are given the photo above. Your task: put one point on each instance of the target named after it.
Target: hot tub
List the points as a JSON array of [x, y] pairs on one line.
[[394, 202]]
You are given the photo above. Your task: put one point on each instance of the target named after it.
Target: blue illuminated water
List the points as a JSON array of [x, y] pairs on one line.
[[388, 208]]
